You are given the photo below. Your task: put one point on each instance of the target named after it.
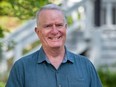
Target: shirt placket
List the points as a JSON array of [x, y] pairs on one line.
[[58, 79]]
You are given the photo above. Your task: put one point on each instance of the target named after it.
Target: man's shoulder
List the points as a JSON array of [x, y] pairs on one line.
[[81, 60], [28, 58], [78, 57]]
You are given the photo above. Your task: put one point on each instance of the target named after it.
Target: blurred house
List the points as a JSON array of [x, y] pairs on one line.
[[91, 32]]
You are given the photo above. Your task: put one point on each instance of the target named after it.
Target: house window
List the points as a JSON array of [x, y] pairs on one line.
[[103, 16], [114, 13]]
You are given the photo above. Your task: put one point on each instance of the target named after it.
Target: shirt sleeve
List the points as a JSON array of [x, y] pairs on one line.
[[16, 78], [95, 80]]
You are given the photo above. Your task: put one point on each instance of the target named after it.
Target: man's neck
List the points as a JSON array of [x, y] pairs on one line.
[[55, 56]]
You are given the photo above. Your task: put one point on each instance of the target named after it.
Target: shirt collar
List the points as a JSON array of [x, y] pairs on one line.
[[68, 56], [42, 56]]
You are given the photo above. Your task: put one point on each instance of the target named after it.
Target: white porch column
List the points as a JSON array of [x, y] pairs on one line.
[[109, 14], [89, 17]]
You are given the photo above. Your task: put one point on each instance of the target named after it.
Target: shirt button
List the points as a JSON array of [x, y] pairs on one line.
[[59, 85]]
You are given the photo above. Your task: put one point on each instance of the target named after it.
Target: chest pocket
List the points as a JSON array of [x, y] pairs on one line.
[[75, 81]]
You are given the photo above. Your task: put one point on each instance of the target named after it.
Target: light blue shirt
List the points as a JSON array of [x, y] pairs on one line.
[[35, 70]]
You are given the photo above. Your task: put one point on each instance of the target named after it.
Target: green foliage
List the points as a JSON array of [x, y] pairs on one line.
[[2, 84], [69, 20], [2, 32], [107, 77], [23, 9]]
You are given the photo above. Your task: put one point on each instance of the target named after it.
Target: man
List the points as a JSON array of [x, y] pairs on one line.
[[53, 65]]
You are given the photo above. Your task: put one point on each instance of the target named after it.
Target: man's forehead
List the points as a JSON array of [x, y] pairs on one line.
[[50, 14], [50, 11]]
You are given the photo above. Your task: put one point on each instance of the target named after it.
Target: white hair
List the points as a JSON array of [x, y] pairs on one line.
[[49, 7]]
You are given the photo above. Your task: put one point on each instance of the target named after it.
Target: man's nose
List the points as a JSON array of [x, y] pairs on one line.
[[54, 30]]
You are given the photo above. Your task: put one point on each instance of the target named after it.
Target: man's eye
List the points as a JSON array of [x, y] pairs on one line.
[[59, 25], [48, 26]]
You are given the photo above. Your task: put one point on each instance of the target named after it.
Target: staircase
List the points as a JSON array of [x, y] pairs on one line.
[[108, 46], [103, 52]]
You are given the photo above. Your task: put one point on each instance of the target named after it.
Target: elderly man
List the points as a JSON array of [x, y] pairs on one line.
[[53, 65]]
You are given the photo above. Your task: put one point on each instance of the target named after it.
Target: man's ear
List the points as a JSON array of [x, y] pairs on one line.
[[66, 26], [36, 30]]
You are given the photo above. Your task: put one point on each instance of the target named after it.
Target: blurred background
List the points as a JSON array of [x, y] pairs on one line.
[[91, 32]]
